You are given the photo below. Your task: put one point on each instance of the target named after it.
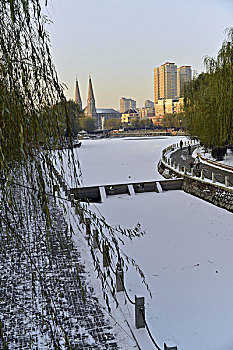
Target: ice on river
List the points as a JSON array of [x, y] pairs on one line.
[[186, 254]]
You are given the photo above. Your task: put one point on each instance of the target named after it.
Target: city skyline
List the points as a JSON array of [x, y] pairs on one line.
[[169, 80], [122, 48]]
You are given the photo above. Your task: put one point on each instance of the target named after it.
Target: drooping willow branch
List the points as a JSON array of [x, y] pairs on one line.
[[209, 99], [34, 122]]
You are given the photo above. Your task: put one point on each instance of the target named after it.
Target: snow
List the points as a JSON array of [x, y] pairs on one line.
[[186, 254], [228, 159], [187, 241], [114, 161], [118, 321]]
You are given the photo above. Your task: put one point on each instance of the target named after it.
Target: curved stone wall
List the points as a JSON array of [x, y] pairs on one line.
[[217, 194]]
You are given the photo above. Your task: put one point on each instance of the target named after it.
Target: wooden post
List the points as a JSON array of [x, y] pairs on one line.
[[169, 347], [95, 241], [185, 171], [76, 207], [88, 227], [213, 178], [72, 199], [202, 174], [106, 258], [227, 181], [191, 171], [139, 312], [55, 189], [81, 217], [119, 279], [178, 167]]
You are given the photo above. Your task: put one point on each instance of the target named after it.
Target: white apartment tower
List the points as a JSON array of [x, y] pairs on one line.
[[126, 103], [184, 75], [165, 81]]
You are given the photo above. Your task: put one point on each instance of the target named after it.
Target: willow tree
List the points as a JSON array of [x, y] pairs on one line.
[[31, 134], [209, 99]]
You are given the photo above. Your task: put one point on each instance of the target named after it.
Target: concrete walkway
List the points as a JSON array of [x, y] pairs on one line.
[[25, 314], [182, 157]]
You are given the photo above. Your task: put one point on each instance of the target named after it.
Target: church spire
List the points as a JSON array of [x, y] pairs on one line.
[[90, 109], [77, 98]]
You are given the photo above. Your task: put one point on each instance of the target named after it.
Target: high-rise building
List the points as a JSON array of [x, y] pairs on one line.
[[165, 81], [149, 104], [126, 103], [77, 97], [184, 75], [156, 85]]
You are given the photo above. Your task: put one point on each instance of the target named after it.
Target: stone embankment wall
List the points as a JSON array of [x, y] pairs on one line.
[[167, 172], [219, 195]]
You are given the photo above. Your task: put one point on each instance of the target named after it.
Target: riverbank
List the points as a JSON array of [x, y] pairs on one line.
[[185, 255]]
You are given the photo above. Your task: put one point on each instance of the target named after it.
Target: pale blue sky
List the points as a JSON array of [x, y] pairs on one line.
[[121, 41]]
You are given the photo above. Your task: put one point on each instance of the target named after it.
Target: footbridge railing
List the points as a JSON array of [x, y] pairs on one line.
[[98, 193]]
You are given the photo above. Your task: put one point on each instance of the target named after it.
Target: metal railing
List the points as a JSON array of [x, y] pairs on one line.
[[201, 175]]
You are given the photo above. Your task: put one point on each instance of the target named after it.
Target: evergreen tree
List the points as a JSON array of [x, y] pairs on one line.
[[135, 122], [87, 124], [112, 123]]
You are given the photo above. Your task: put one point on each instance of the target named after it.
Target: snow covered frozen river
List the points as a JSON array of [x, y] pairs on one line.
[[186, 254]]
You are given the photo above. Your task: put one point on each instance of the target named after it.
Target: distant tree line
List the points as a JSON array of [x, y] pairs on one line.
[[208, 103], [78, 121], [135, 123], [173, 120]]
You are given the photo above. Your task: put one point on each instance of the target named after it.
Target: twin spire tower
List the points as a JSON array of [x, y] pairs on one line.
[[90, 109], [77, 98]]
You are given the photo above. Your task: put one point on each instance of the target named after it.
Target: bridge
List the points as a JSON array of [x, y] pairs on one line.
[[98, 193]]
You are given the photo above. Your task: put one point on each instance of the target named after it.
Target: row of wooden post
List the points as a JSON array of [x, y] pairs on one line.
[[139, 301]]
